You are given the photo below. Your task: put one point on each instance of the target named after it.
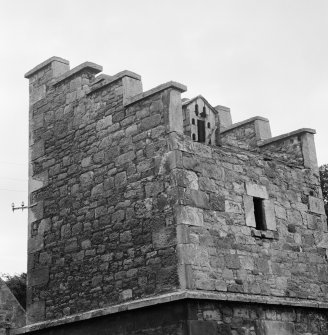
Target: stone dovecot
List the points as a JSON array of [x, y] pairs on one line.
[[200, 120], [156, 215]]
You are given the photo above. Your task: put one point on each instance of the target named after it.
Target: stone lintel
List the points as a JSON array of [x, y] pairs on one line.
[[242, 123], [44, 64], [286, 136], [171, 84], [170, 297], [108, 80], [95, 68]]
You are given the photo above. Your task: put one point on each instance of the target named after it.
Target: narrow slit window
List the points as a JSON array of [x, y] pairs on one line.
[[208, 125], [196, 109], [259, 213], [193, 121], [193, 137]]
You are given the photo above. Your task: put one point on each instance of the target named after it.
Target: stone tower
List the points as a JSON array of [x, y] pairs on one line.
[[156, 215]]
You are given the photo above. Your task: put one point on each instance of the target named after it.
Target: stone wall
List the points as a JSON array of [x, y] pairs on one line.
[[220, 248], [125, 207], [102, 231], [214, 318]]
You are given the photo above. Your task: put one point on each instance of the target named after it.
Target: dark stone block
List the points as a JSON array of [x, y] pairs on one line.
[[196, 327]]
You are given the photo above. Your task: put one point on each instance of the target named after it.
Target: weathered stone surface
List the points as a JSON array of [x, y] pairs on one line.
[[189, 216], [270, 217], [128, 206], [316, 205]]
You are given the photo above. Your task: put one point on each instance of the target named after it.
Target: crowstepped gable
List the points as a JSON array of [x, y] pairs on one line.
[[155, 214]]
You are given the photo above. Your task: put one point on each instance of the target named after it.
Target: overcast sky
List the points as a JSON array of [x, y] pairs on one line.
[[264, 57]]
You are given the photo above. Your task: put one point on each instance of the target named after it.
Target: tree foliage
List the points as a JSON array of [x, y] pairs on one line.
[[324, 184], [17, 285]]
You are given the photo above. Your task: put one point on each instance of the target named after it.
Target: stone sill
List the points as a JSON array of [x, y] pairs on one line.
[[242, 123], [95, 68], [157, 89], [108, 80], [285, 136], [268, 234], [174, 296], [44, 64]]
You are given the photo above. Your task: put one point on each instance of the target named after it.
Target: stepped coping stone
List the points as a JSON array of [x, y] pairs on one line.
[[44, 64], [242, 123], [227, 109], [157, 89], [286, 136], [111, 79], [100, 78], [95, 68]]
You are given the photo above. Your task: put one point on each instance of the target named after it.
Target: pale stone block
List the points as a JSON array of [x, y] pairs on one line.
[[35, 243], [321, 239], [131, 87], [183, 235], [192, 179], [270, 218], [232, 207], [309, 152], [224, 116], [126, 294], [275, 328], [249, 211], [280, 212], [163, 238], [59, 68], [189, 216], [185, 274], [37, 93], [37, 150], [175, 112], [36, 212], [193, 255], [38, 276], [35, 312], [256, 190], [262, 129], [316, 205], [37, 182]]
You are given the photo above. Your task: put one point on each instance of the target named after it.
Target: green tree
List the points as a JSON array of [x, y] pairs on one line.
[[323, 170], [17, 285]]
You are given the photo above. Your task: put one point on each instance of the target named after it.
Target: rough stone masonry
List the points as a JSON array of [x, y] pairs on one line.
[[152, 214]]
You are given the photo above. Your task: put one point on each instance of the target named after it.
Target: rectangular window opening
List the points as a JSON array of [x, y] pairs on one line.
[[259, 213]]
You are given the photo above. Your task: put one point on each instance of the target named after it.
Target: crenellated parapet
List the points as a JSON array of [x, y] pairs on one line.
[[143, 200]]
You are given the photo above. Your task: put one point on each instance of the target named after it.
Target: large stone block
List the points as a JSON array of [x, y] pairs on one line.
[[249, 211], [190, 216], [275, 328], [36, 312], [269, 213], [316, 205], [199, 327], [38, 276]]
